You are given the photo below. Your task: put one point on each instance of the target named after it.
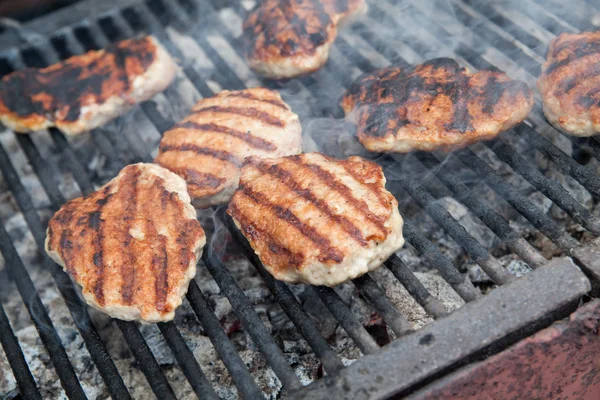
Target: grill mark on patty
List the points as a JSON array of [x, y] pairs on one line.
[[253, 141], [587, 100], [460, 94], [128, 270], [328, 253], [274, 21], [251, 96], [579, 77], [95, 223], [590, 48], [160, 266], [493, 90], [198, 178], [258, 235], [346, 193], [373, 188], [362, 207], [218, 154], [287, 178], [249, 112], [65, 243]]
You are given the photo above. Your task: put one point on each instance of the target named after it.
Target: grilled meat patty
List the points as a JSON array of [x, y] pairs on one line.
[[289, 38], [570, 83], [85, 91], [132, 245], [314, 219], [208, 147], [433, 105]]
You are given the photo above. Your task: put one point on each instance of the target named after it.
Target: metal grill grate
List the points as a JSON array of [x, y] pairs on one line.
[[486, 34]]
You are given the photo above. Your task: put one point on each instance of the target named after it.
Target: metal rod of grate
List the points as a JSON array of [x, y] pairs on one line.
[[16, 359]]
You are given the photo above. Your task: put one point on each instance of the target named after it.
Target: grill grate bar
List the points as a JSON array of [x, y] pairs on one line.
[[244, 310], [582, 174], [491, 218], [448, 271], [414, 287], [148, 364], [235, 365], [38, 313], [342, 313], [478, 253], [16, 359], [552, 189], [187, 361], [288, 302], [373, 293], [519, 201]]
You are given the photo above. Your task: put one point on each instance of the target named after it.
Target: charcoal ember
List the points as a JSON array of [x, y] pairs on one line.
[[377, 328]]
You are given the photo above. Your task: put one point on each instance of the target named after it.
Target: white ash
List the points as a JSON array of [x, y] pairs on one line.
[[514, 265]]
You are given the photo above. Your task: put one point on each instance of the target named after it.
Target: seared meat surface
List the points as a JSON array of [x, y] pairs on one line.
[[85, 91], [208, 147], [434, 105], [570, 83], [289, 38], [132, 245], [314, 219]]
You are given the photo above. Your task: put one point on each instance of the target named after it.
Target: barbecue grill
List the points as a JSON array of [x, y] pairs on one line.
[[532, 191]]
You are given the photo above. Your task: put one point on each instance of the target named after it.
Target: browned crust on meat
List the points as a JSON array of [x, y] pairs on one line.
[[208, 147], [59, 92], [436, 104], [95, 239], [270, 207], [293, 30], [570, 83]]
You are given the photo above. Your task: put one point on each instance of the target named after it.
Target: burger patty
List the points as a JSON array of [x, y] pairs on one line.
[[208, 147], [87, 90], [434, 105], [570, 83], [132, 245], [314, 219], [289, 38]]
